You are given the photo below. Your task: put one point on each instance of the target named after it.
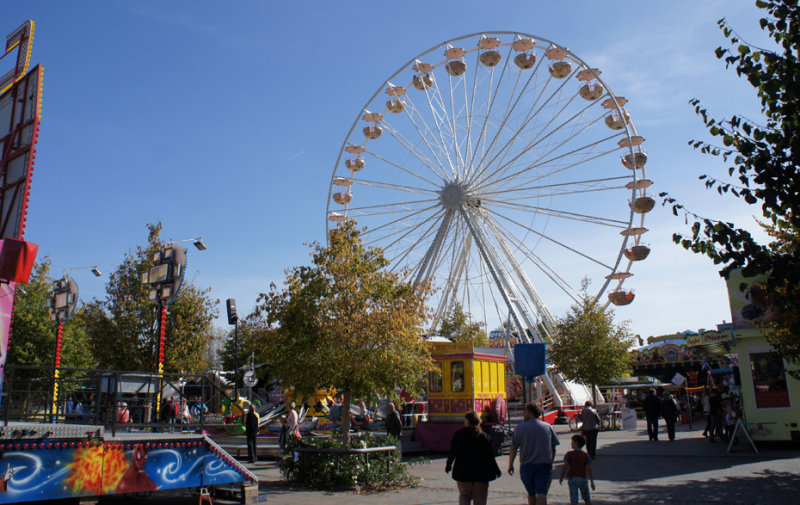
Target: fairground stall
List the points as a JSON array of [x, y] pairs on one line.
[[770, 396], [463, 378]]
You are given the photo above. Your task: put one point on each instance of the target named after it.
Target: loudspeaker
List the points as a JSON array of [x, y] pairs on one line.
[[232, 316]]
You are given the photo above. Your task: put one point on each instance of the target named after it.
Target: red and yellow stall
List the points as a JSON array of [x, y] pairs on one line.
[[464, 378]]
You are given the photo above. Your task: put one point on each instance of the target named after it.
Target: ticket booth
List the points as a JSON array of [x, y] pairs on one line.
[[464, 378]]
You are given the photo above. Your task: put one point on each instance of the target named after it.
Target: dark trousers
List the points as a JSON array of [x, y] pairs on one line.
[[670, 422], [591, 441], [652, 427], [716, 427], [707, 431], [252, 448]]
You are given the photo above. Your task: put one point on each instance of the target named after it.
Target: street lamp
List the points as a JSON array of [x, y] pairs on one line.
[[61, 305], [197, 241], [163, 281]]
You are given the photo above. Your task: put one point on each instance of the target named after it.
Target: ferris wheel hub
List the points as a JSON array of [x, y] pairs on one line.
[[455, 194]]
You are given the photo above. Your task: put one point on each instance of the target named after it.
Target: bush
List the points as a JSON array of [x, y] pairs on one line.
[[384, 470]]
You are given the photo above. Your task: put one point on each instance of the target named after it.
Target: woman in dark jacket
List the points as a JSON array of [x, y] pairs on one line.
[[474, 464]]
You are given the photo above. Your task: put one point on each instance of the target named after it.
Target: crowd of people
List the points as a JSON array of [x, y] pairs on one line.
[[474, 466]]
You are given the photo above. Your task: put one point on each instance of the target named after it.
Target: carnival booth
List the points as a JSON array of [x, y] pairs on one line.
[[463, 378], [770, 395]]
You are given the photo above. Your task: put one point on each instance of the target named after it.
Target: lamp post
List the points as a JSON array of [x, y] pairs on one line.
[[61, 305], [164, 280]]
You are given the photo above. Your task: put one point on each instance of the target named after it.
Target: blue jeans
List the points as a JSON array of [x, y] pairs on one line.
[[536, 478], [578, 484]]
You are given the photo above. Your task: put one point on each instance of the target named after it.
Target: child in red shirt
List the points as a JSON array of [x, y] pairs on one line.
[[577, 465]]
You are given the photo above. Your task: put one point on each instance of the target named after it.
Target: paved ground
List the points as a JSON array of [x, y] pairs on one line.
[[629, 469]]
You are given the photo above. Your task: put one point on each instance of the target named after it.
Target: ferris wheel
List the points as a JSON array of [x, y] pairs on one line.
[[502, 168]]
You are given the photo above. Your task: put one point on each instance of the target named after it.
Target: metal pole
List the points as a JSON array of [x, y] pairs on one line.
[[162, 315], [235, 357], [8, 389], [54, 406]]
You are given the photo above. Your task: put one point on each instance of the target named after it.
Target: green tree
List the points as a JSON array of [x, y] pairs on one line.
[[346, 322], [33, 334], [123, 327], [458, 326], [587, 346], [765, 156], [214, 348], [253, 334]]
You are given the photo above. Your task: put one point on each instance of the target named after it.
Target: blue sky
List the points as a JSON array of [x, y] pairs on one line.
[[225, 119]]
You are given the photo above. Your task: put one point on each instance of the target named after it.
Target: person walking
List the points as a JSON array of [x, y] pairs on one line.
[[577, 466], [707, 410], [590, 426], [669, 411], [292, 422], [394, 426], [536, 443], [282, 434], [251, 431], [652, 409], [715, 404], [475, 466]]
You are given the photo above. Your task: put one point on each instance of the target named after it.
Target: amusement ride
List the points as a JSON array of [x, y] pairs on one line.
[[503, 169]]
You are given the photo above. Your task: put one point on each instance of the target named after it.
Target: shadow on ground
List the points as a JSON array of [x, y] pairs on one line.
[[779, 487]]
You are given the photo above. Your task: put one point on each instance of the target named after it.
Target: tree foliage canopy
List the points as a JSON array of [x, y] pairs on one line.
[[123, 328], [587, 346], [346, 322], [765, 160], [33, 334], [458, 326]]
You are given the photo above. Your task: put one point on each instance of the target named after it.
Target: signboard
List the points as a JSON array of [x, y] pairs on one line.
[[529, 359], [751, 306], [708, 337], [20, 109], [449, 348], [250, 378], [678, 380]]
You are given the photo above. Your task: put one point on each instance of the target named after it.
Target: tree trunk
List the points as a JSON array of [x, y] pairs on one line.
[[346, 418], [594, 395]]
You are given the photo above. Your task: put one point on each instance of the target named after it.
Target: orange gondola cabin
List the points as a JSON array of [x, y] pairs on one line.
[[464, 378]]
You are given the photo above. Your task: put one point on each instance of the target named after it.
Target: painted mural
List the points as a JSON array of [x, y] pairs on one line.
[[32, 471]]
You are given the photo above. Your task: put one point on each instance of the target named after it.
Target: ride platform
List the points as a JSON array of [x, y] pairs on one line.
[[41, 461]]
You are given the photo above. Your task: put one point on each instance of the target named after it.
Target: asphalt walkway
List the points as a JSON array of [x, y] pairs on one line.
[[628, 469]]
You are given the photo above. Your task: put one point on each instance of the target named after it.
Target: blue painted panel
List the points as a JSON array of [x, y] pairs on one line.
[[529, 359]]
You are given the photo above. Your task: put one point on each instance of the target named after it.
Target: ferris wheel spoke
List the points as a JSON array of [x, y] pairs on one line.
[[615, 223], [453, 126], [554, 241], [550, 162], [366, 183], [391, 208], [511, 106], [523, 127], [503, 168], [474, 147], [391, 224], [402, 255], [560, 189], [434, 166], [425, 133], [440, 122], [430, 255], [538, 262]]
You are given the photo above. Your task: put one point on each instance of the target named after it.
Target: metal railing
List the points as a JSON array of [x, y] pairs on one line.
[[95, 397]]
